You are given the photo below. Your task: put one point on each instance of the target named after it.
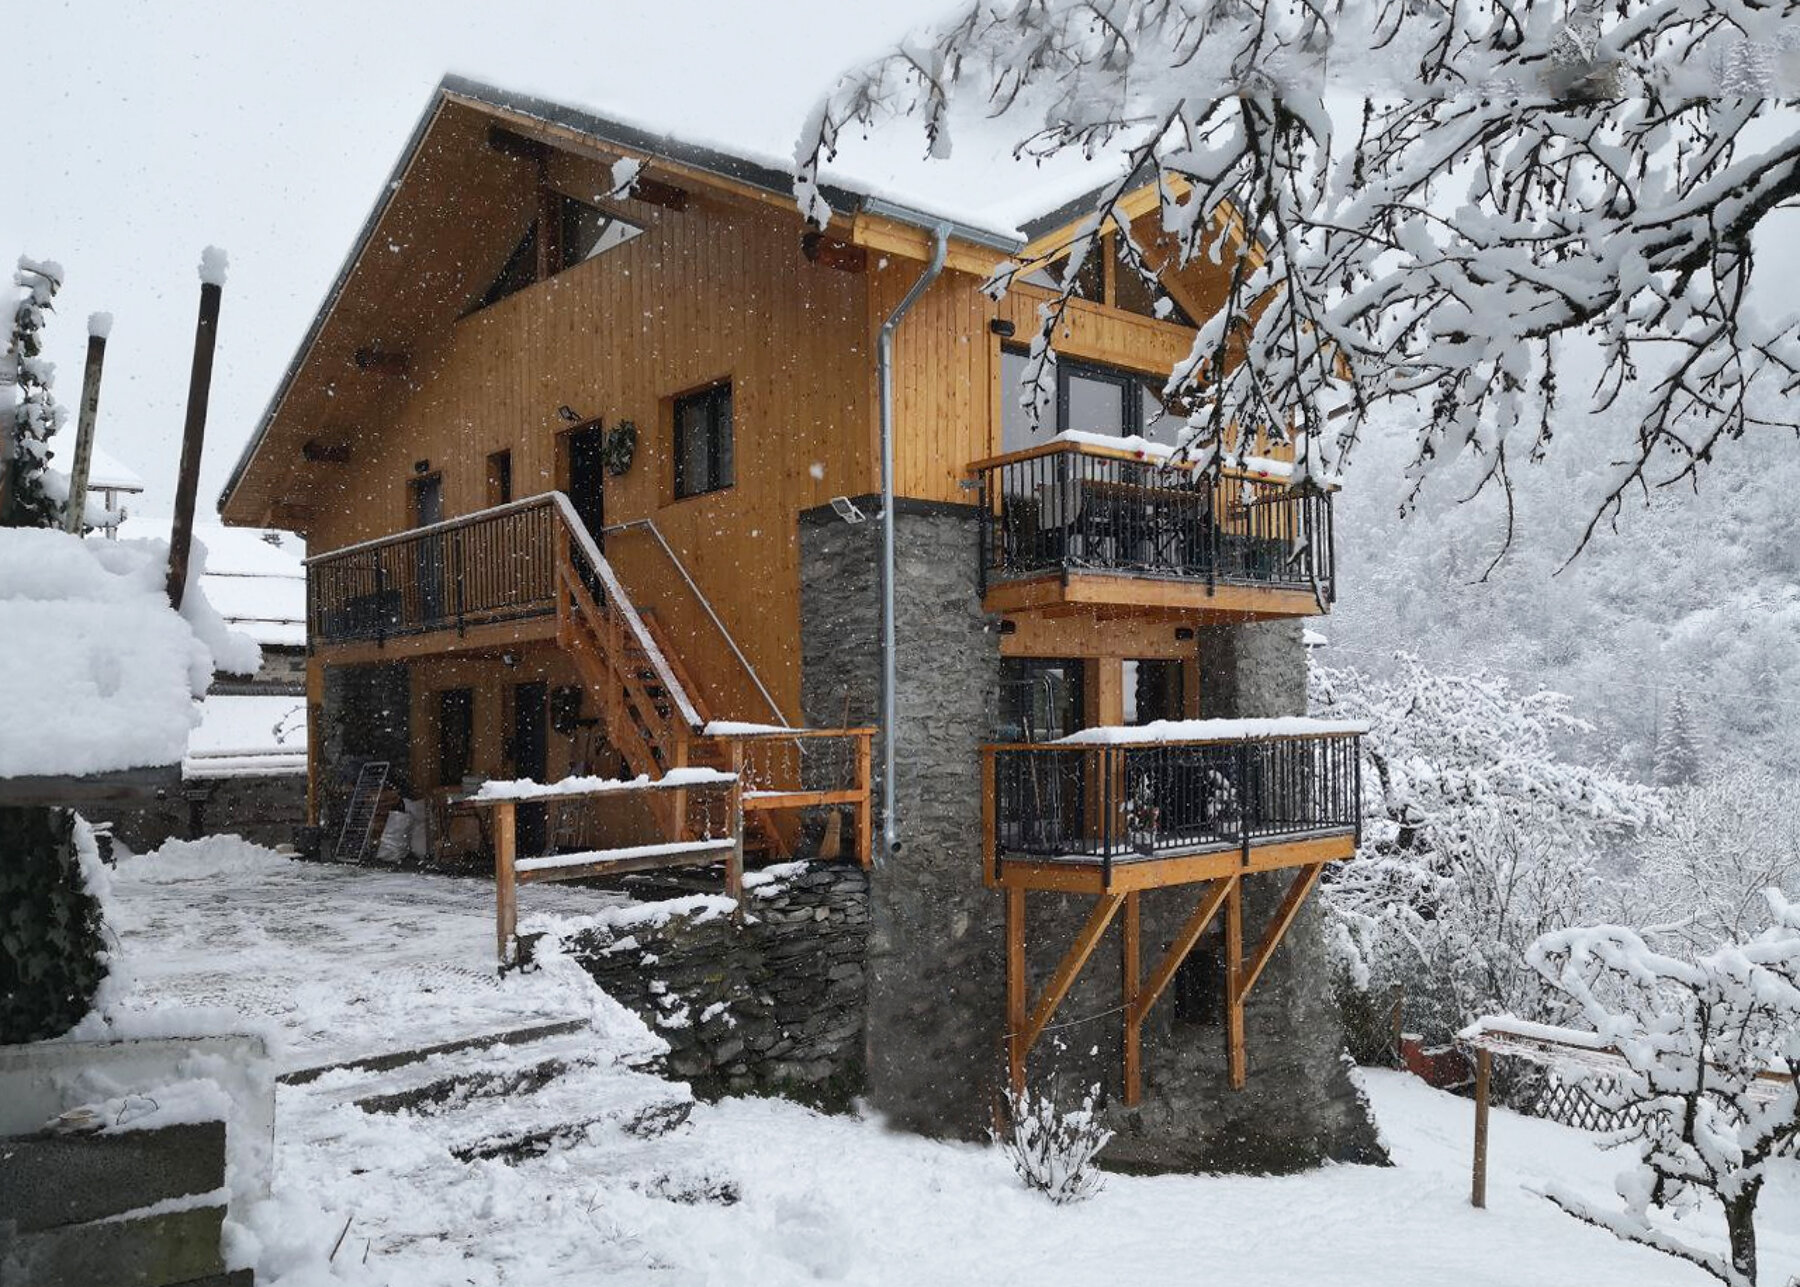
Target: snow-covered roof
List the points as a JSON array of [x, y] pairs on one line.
[[108, 473], [101, 675], [251, 735], [256, 579]]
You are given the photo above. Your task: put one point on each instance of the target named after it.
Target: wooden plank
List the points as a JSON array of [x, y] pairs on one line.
[[122, 786], [1099, 589], [1302, 885], [491, 637], [771, 801], [602, 869], [865, 835], [506, 891], [1069, 967], [1071, 877]]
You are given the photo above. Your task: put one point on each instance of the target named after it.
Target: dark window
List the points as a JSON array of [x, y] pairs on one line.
[[703, 441], [1200, 984], [456, 734], [520, 271], [1040, 699], [1089, 398], [500, 482], [1153, 691]]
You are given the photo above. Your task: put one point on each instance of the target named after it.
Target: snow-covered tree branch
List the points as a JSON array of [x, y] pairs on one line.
[[1436, 197], [1709, 1047], [29, 415]]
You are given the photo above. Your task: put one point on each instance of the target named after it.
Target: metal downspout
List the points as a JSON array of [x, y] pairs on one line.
[[884, 367]]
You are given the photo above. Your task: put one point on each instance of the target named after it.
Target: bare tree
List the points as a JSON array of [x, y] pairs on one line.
[[1518, 175]]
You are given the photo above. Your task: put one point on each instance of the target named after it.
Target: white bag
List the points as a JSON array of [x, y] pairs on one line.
[[392, 847]]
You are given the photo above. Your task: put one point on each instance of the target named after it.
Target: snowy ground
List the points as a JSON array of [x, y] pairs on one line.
[[457, 1188]]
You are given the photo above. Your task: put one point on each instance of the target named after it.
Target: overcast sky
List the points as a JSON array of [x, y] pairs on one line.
[[148, 131]]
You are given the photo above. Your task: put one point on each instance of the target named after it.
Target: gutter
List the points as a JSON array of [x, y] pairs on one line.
[[884, 368]]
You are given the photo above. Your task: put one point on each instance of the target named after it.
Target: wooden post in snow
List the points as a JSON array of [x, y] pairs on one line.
[[98, 326], [206, 335], [1478, 1182]]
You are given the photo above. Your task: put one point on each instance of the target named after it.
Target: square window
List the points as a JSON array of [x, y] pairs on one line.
[[703, 446]]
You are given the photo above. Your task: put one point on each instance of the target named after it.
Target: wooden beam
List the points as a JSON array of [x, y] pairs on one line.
[[1212, 897], [509, 143], [1128, 972], [1068, 877], [831, 252], [383, 362], [1484, 1062], [1066, 971], [506, 887], [122, 786], [1235, 1064], [1302, 885], [1015, 988], [657, 193]]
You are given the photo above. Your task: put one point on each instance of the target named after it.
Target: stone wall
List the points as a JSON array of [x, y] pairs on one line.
[[935, 949], [774, 1005], [263, 808], [936, 957]]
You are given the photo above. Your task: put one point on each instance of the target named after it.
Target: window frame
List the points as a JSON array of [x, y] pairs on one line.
[[721, 464]]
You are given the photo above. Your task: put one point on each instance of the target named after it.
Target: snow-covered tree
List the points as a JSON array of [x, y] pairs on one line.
[[1515, 174], [1477, 839], [1702, 874], [1678, 759], [1699, 1039], [28, 411]]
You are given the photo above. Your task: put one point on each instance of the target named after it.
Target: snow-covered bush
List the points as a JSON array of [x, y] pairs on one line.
[[1054, 1152], [26, 401], [1698, 1038], [52, 956], [1477, 839]]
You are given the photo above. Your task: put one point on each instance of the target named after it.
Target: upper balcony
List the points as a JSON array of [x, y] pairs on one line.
[[1079, 524]]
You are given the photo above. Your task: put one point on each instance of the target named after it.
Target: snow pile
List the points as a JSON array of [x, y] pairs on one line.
[[527, 789], [105, 674], [1210, 730]]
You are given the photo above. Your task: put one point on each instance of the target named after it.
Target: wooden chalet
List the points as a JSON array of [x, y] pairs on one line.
[[585, 442]]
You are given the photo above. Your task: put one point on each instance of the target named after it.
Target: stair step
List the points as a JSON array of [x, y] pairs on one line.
[[401, 1058], [563, 1109], [458, 1076]]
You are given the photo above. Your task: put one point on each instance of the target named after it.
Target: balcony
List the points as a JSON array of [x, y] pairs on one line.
[[1084, 525], [1123, 809], [490, 577]]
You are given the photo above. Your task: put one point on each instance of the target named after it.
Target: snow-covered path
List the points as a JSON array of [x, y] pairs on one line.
[[561, 1161]]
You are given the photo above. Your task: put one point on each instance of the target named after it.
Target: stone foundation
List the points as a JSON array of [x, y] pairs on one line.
[[262, 809], [772, 1006], [936, 955]]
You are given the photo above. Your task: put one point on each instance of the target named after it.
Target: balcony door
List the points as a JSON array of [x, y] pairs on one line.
[[585, 478], [427, 499]]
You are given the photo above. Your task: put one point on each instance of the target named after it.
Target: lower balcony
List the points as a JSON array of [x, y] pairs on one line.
[[1085, 526], [1123, 809]]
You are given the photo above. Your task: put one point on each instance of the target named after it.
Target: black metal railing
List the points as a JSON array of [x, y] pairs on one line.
[[1076, 508], [1104, 803], [496, 565]]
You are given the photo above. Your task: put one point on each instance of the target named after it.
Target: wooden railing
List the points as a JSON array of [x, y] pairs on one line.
[[791, 770], [497, 565], [1102, 803], [1078, 507], [719, 838]]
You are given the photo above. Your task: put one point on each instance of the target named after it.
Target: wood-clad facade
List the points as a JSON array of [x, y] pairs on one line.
[[544, 611]]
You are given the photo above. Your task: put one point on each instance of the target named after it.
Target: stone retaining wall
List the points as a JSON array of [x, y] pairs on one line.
[[774, 1005]]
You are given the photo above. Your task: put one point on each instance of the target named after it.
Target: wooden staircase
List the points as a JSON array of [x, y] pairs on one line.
[[655, 717]]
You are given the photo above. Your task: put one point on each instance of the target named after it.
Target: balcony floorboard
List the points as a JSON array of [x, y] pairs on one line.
[[1084, 591], [1085, 873]]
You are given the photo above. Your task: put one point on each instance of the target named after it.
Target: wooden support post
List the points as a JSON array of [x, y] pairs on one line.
[[187, 478], [1212, 896], [1105, 908], [1134, 1027], [1307, 877], [865, 762], [1478, 1182], [75, 511], [1015, 988], [506, 886], [1236, 1069], [734, 861]]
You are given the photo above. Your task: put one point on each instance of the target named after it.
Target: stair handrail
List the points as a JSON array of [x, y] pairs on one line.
[[627, 613], [649, 524]]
